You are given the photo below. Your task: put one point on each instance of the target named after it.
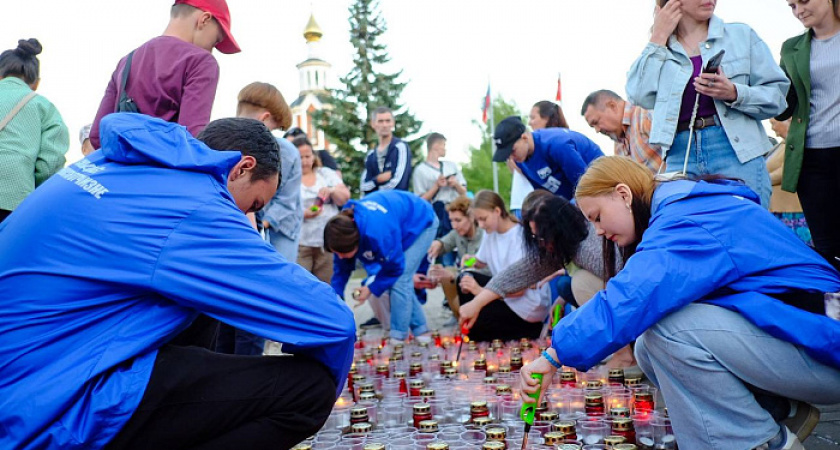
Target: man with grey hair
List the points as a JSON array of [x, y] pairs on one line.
[[626, 124], [388, 166]]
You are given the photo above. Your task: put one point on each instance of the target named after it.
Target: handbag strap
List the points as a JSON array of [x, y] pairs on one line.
[[124, 80], [16, 109]]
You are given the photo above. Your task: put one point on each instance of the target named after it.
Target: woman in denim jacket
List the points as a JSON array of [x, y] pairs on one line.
[[749, 87]]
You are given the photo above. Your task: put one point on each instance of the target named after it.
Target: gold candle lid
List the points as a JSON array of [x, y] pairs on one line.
[[489, 380], [620, 412], [396, 357], [495, 433], [482, 421], [594, 398], [400, 375], [554, 437], [399, 346], [450, 371], [429, 426], [358, 378], [503, 369], [548, 416], [416, 355], [564, 426], [516, 350], [374, 446], [625, 446], [616, 372], [594, 384], [568, 447], [643, 395], [622, 424], [427, 392], [614, 440], [632, 381], [515, 360], [437, 446], [363, 427], [416, 384], [303, 446], [493, 445], [503, 389], [381, 368], [445, 364], [365, 396], [358, 412], [416, 366], [566, 376], [480, 405], [421, 408]]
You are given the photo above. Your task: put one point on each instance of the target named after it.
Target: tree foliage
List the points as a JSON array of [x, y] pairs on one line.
[[366, 87], [479, 171]]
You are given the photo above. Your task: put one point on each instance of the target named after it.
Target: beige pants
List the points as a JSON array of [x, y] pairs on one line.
[[381, 307], [317, 261], [584, 286]]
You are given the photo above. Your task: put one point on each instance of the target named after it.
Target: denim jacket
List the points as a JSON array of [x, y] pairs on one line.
[[285, 210], [657, 79]]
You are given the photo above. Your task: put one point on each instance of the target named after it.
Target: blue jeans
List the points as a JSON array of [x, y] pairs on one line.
[[712, 154], [708, 361], [285, 246], [406, 311]]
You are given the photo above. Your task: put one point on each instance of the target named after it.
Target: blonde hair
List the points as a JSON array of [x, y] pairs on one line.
[[601, 178], [268, 97], [607, 172]]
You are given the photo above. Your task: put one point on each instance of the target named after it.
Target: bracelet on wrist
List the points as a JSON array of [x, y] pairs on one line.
[[551, 360]]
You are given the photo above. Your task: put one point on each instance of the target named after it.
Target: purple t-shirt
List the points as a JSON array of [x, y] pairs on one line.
[[707, 104], [170, 79]]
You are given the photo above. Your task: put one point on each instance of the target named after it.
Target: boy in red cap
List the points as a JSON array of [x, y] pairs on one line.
[[174, 76]]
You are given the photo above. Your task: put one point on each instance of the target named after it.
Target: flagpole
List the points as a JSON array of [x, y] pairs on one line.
[[493, 144]]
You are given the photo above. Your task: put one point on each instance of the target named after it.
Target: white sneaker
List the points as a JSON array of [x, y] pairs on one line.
[[424, 338]]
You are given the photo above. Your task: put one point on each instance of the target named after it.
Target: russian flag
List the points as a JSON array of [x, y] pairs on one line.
[[486, 108]]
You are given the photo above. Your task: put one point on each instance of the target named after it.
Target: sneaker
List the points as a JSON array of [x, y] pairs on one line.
[[791, 442], [372, 323], [802, 420]]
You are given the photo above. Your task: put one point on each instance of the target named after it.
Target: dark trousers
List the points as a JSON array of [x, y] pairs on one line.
[[197, 399], [497, 320], [819, 189], [3, 214]]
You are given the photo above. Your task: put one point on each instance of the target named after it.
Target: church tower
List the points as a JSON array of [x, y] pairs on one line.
[[313, 87]]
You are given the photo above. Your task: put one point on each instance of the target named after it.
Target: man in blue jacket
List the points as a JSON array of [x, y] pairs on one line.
[[388, 166], [151, 233], [550, 158]]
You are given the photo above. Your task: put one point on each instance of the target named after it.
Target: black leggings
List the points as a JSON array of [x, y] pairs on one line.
[[819, 189], [497, 320], [197, 399]]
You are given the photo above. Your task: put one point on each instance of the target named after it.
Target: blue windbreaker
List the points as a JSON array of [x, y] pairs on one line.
[[710, 243], [389, 222], [560, 157], [114, 256]]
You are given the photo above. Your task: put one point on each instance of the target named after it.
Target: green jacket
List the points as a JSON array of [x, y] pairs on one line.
[[796, 62], [32, 146]]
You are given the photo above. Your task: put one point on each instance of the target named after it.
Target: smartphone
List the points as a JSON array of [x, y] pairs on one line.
[[713, 64]]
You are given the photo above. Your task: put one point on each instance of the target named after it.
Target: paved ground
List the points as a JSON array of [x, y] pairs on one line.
[[825, 437]]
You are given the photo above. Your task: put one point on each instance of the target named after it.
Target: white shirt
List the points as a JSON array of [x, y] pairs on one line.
[[520, 187], [425, 176], [312, 231], [500, 250]]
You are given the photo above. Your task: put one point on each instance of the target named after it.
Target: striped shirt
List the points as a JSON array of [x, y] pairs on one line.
[[824, 121], [636, 141], [32, 146]]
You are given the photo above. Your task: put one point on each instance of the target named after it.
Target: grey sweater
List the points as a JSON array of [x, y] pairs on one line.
[[529, 270], [465, 246]]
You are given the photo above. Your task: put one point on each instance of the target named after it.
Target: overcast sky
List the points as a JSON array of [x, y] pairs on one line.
[[448, 50]]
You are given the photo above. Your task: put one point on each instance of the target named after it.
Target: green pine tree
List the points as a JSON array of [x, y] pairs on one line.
[[346, 123], [479, 171]]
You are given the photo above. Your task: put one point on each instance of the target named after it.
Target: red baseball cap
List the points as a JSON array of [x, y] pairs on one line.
[[220, 12]]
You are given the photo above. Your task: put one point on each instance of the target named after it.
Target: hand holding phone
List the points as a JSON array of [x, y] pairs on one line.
[[714, 63]]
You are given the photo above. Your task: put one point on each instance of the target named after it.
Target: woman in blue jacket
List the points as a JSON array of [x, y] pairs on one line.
[[749, 87], [717, 311], [389, 233]]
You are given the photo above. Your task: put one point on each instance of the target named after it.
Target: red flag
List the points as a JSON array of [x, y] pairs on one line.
[[559, 97], [486, 108]]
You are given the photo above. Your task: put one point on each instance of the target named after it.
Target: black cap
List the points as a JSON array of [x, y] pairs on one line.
[[294, 132], [507, 132]]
